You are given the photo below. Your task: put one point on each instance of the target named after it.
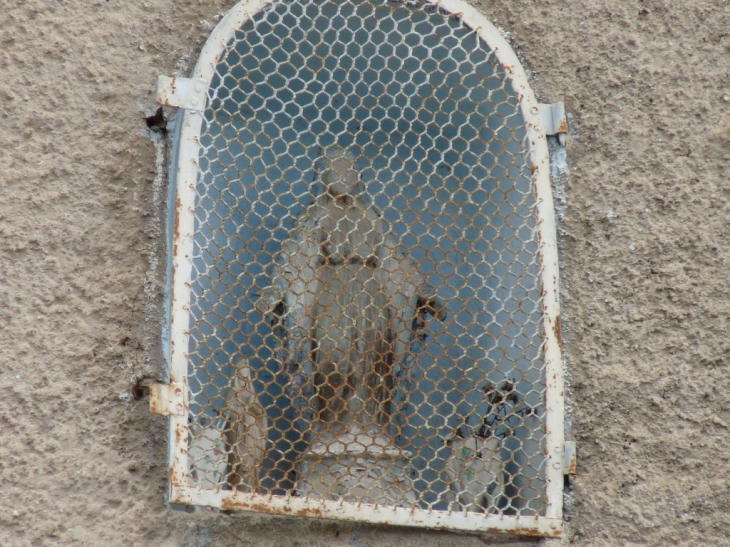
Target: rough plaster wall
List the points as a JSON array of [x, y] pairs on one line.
[[643, 253]]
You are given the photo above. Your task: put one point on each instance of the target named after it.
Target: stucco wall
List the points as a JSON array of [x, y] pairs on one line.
[[644, 244]]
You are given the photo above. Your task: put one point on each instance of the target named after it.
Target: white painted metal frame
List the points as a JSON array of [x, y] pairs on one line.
[[177, 406]]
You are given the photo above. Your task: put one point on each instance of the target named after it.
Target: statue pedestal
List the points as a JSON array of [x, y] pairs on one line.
[[356, 467]]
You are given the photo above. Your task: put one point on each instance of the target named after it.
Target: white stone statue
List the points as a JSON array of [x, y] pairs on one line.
[[349, 300], [246, 430]]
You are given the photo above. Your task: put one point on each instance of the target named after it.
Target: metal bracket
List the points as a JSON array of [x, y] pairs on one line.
[[180, 92], [166, 399], [555, 121], [570, 458]]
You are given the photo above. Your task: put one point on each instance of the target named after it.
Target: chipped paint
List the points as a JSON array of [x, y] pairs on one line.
[[166, 399], [557, 330]]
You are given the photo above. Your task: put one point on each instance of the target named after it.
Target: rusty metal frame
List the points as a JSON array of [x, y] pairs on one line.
[[172, 399]]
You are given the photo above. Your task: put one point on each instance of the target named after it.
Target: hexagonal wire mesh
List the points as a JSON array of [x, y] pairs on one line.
[[365, 300]]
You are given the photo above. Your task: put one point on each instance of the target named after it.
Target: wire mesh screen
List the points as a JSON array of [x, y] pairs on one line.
[[365, 311]]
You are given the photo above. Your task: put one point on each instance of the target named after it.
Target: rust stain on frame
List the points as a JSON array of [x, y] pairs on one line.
[[558, 330]]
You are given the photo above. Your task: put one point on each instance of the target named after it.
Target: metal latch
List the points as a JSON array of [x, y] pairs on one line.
[[555, 121], [166, 399], [187, 93], [570, 458]]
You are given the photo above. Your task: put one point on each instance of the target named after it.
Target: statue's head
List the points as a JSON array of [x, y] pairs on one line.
[[339, 175]]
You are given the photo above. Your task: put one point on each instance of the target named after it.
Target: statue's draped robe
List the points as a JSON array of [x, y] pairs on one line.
[[246, 431], [348, 299]]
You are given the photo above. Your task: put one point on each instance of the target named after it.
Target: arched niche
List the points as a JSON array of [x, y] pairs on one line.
[[434, 112]]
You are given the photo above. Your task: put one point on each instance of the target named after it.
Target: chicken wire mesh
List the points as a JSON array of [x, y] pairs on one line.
[[365, 309]]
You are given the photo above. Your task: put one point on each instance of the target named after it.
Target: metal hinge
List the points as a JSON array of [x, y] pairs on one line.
[[166, 399], [555, 121], [570, 458], [186, 93]]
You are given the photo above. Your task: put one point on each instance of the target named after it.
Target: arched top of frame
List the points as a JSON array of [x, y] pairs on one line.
[[225, 32]]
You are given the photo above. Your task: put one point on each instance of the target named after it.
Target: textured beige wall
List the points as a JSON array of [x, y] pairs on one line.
[[644, 249]]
